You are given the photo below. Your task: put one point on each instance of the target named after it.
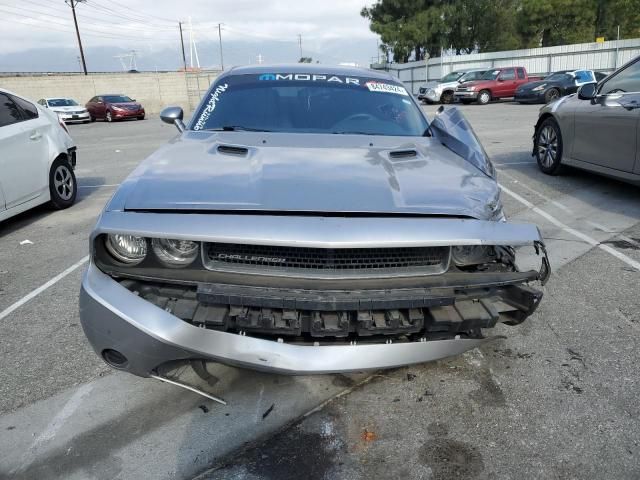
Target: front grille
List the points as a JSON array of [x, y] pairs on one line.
[[462, 89], [78, 112], [319, 261]]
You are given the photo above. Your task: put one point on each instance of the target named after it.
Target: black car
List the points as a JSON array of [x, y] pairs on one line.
[[556, 85]]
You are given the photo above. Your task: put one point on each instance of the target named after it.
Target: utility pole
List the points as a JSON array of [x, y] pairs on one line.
[[72, 4], [220, 41], [300, 45], [184, 57]]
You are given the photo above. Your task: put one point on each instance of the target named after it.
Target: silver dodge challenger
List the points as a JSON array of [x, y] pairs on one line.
[[307, 219]]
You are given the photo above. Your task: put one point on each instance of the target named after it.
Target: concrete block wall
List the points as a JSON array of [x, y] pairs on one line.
[[154, 90]]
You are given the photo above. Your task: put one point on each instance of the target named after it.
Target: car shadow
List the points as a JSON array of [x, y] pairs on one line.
[[607, 194], [88, 186]]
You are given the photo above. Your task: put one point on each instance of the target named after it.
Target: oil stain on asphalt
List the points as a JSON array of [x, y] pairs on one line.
[[448, 458]]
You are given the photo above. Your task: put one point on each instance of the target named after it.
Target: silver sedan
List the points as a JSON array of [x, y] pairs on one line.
[[597, 129]]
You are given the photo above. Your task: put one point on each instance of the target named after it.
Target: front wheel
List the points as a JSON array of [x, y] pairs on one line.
[[551, 95], [446, 98], [484, 97], [63, 187], [141, 117], [548, 147]]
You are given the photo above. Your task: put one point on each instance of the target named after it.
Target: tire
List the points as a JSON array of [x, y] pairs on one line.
[[93, 119], [87, 121], [108, 117], [141, 117], [484, 97], [63, 186], [551, 95], [446, 98], [548, 147]]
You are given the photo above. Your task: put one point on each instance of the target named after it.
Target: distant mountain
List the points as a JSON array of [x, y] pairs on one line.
[[102, 59]]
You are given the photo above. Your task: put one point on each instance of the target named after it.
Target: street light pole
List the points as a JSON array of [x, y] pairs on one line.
[[72, 4], [220, 42]]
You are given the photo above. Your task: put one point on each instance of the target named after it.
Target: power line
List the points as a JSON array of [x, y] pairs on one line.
[[141, 13], [58, 27]]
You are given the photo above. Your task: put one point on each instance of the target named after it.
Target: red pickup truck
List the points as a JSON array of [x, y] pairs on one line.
[[494, 84]]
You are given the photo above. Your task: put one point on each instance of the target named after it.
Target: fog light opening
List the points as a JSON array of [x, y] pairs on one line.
[[114, 358]]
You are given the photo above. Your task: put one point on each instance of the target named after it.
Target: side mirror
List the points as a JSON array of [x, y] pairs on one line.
[[588, 91], [173, 115]]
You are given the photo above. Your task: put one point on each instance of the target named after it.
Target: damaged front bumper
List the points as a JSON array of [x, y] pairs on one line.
[[317, 326]]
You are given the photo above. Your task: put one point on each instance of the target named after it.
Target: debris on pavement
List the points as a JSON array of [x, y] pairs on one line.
[[26, 242]]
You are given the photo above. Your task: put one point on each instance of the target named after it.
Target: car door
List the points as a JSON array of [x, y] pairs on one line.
[[506, 83], [23, 162], [100, 107], [606, 128]]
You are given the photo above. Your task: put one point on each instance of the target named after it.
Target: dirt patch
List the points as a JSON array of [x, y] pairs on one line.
[[451, 459]]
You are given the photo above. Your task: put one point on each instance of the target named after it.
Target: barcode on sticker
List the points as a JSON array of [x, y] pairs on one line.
[[386, 88]]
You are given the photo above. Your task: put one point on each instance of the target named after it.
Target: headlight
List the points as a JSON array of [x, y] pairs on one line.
[[465, 255], [127, 249], [539, 88], [175, 253]]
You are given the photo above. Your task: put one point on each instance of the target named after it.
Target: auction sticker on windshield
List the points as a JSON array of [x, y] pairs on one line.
[[386, 88]]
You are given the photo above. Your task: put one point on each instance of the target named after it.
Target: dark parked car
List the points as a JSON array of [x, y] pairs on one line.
[[595, 130], [556, 85], [114, 107]]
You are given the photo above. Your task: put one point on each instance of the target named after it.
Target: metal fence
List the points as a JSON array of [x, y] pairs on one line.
[[197, 85], [603, 57]]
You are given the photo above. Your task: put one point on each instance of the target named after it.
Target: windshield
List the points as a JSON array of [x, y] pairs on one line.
[[310, 103], [452, 77], [117, 99], [471, 76], [61, 102], [558, 77], [490, 75]]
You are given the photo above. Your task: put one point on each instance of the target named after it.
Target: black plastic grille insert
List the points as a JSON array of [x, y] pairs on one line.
[[266, 257]]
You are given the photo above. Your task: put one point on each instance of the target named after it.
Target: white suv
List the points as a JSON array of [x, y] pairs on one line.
[[442, 91], [37, 157]]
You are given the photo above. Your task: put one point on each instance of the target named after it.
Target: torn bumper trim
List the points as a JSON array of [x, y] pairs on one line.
[[115, 318]]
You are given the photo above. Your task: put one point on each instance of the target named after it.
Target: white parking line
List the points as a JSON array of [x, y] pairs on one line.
[[535, 192], [591, 241], [99, 186], [9, 310]]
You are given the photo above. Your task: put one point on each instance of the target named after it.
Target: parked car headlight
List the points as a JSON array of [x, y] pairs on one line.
[[127, 249], [175, 253], [539, 88], [466, 255]]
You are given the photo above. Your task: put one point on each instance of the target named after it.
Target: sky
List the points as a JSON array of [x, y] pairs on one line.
[[38, 35]]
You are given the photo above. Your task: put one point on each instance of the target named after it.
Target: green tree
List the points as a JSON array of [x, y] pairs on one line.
[[544, 23], [613, 13]]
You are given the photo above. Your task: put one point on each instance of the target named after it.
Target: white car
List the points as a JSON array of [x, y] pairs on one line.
[[443, 90], [37, 157], [67, 109]]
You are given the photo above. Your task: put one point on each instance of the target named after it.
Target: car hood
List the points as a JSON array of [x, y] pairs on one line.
[[126, 104], [73, 108], [531, 85], [477, 82], [308, 173]]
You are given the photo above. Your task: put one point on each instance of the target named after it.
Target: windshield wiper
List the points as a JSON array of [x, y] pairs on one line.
[[236, 128]]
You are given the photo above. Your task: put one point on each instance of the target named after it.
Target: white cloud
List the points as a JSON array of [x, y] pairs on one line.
[[152, 25]]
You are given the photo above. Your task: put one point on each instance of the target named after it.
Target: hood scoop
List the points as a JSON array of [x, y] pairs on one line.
[[232, 150], [403, 154]]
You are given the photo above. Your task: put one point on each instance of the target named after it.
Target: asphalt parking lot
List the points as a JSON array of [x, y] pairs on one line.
[[556, 398]]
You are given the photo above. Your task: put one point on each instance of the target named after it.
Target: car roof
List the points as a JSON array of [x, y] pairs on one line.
[[310, 68]]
